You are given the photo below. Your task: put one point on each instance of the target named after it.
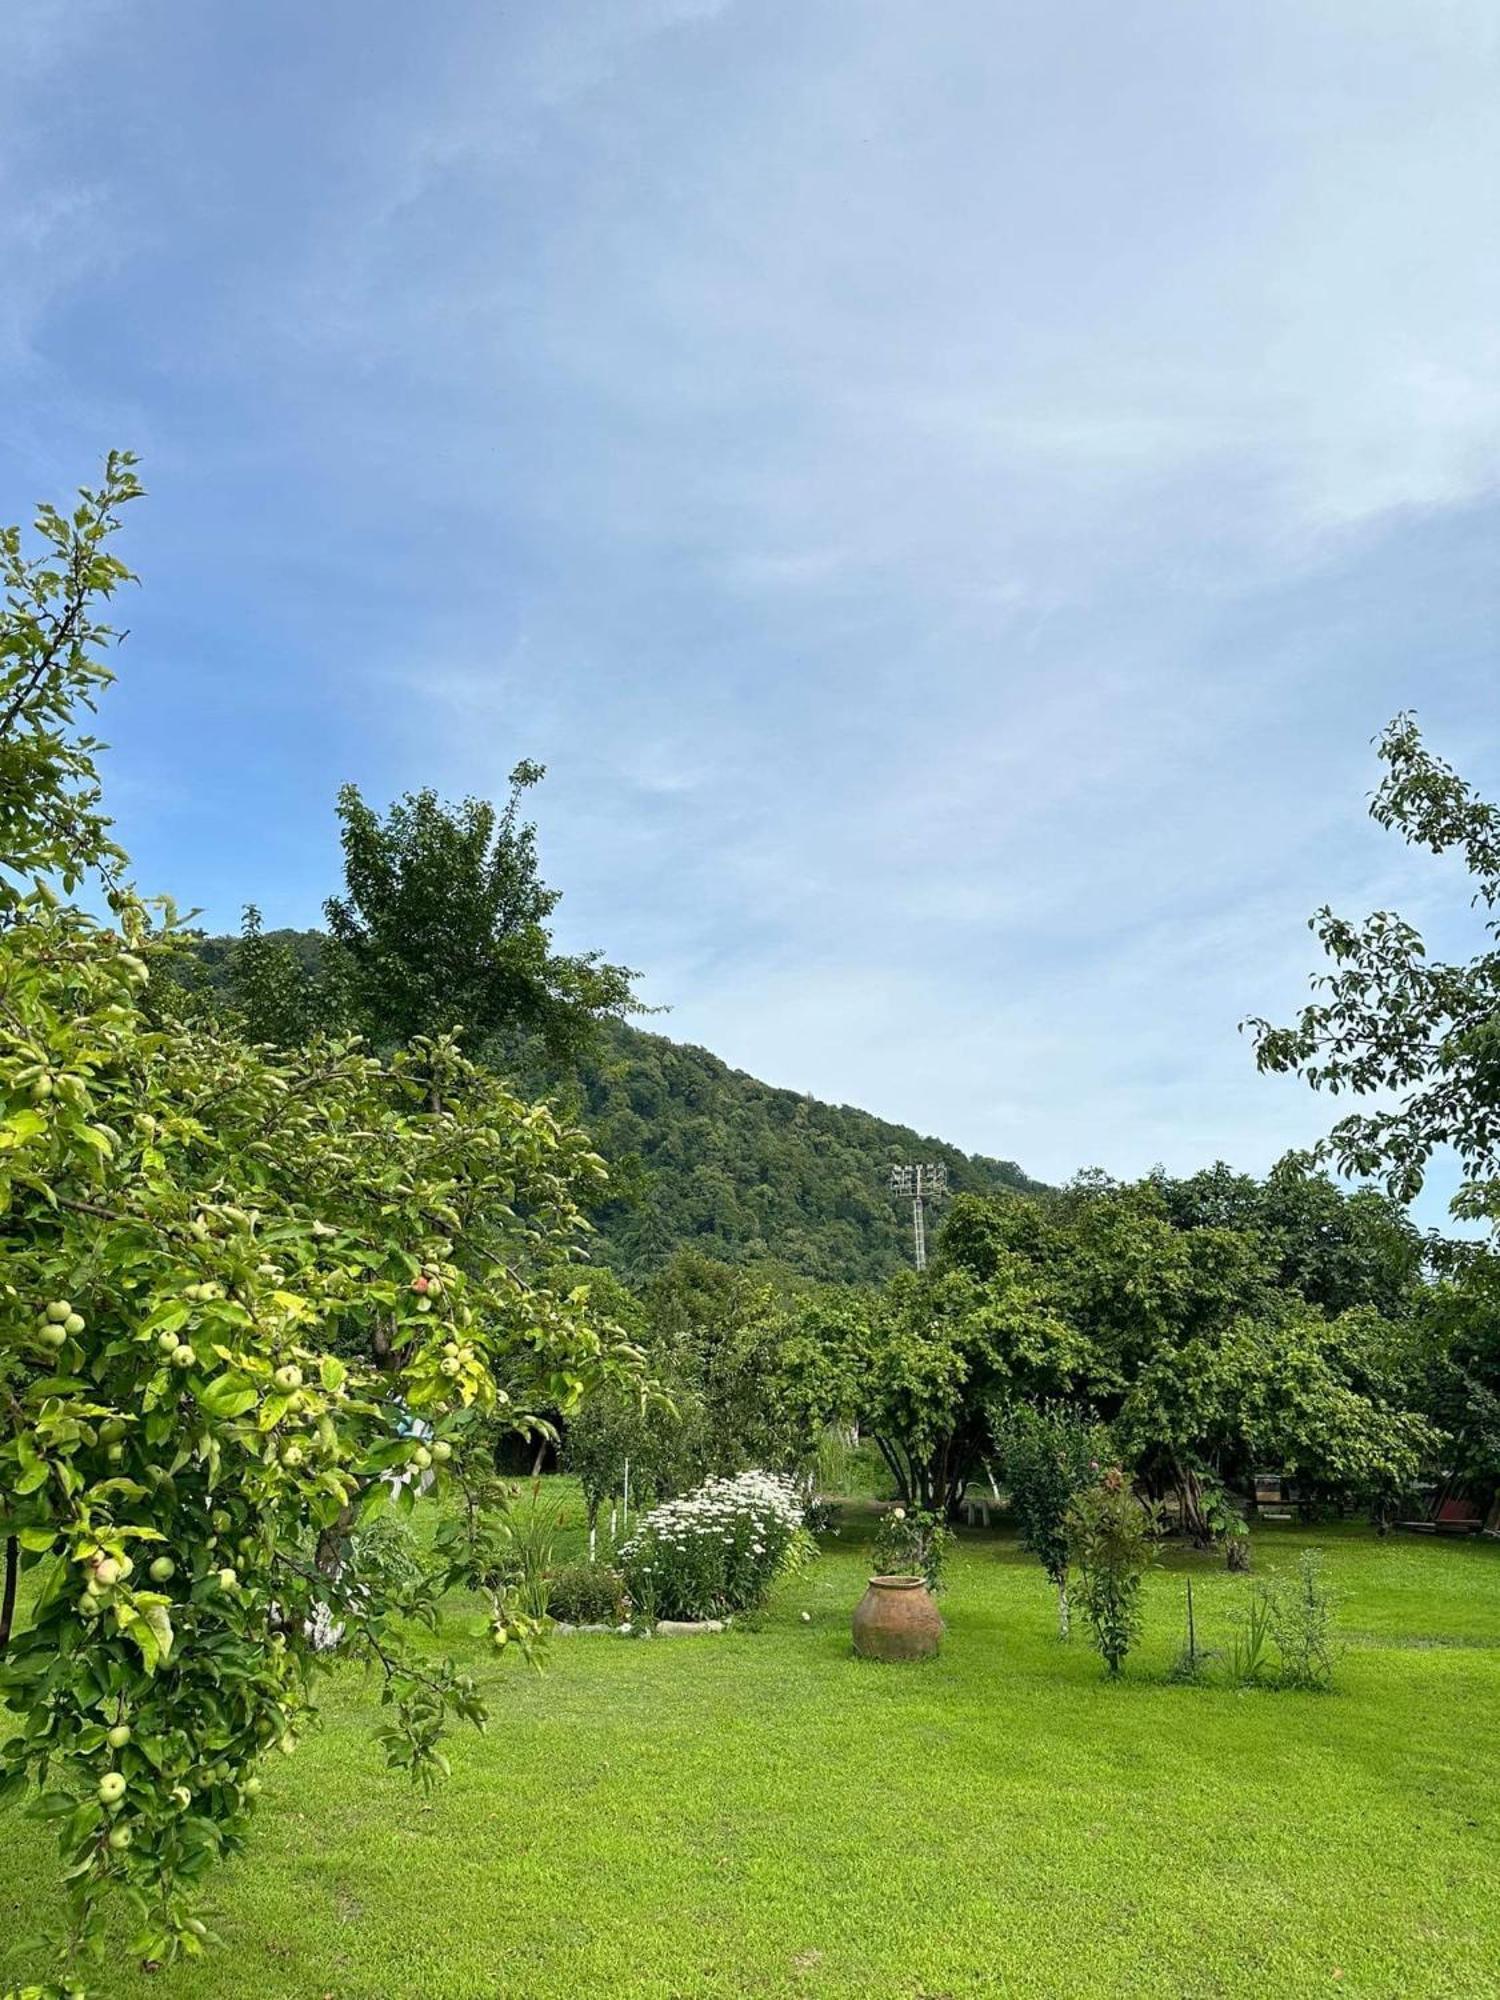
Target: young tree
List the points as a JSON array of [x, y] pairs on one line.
[[445, 923], [1112, 1542], [714, 1332], [282, 994], [192, 1226], [1047, 1455]]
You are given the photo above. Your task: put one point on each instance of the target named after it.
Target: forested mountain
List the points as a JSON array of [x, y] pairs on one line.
[[733, 1167], [707, 1158]]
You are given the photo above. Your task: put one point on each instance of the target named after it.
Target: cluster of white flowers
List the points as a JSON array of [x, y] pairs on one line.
[[721, 1506], [719, 1547]]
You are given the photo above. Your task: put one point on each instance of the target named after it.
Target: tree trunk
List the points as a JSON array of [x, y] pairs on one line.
[[1190, 1493], [906, 1487], [1064, 1613], [8, 1600]]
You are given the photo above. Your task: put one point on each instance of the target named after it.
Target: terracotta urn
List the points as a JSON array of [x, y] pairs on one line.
[[896, 1619]]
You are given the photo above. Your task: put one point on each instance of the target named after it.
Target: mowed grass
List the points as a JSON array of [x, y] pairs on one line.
[[762, 1814]]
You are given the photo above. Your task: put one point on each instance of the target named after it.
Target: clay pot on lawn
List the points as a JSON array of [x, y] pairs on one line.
[[896, 1619]]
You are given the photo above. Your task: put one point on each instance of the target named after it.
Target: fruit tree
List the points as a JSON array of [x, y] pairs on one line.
[[242, 1293]]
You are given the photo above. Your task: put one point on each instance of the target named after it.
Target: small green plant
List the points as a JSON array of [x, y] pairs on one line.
[[1250, 1639], [913, 1541], [1111, 1539], [588, 1594], [532, 1523], [643, 1602], [1300, 1611]]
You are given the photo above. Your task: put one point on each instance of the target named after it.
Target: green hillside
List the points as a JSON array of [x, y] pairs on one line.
[[707, 1158], [743, 1171]]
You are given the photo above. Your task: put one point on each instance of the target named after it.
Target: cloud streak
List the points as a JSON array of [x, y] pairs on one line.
[[950, 494]]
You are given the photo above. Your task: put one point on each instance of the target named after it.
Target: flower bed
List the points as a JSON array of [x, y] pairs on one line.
[[718, 1550]]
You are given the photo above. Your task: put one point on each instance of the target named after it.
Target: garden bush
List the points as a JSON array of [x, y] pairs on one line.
[[1112, 1540], [913, 1541], [718, 1550], [1048, 1455], [1300, 1612], [587, 1594]]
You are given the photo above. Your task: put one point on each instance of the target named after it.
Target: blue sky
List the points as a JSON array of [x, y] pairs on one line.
[[950, 492]]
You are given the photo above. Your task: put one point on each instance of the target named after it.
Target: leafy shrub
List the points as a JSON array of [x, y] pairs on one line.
[[587, 1594], [718, 1550], [1300, 1612], [1293, 1614], [1112, 1543], [913, 1542], [1048, 1455]]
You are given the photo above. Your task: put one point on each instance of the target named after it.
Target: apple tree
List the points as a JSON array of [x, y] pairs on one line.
[[247, 1301]]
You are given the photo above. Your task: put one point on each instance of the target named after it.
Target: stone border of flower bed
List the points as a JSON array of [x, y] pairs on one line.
[[669, 1628]]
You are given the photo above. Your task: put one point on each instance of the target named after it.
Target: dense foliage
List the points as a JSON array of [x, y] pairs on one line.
[[1419, 1036], [1191, 1341], [247, 1300], [745, 1172], [1184, 1334]]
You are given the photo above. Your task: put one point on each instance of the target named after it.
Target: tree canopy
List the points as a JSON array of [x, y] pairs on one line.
[[1420, 1034], [444, 922], [1186, 1333]]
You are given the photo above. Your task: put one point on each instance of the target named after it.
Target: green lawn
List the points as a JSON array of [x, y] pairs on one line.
[[761, 1814]]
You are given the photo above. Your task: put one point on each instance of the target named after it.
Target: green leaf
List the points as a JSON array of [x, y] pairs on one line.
[[228, 1396], [272, 1410]]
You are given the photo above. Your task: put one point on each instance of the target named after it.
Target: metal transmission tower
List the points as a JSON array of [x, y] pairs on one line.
[[920, 1184]]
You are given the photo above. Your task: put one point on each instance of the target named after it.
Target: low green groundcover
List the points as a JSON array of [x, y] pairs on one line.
[[768, 1816]]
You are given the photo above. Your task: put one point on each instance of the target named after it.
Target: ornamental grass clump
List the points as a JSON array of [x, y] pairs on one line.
[[719, 1549]]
